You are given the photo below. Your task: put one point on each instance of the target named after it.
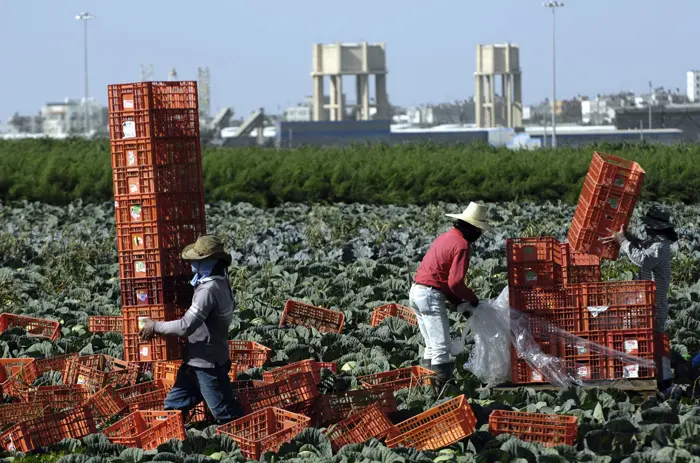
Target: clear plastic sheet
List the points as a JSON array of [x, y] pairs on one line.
[[496, 327]]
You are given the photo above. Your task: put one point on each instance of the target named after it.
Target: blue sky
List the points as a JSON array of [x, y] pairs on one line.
[[259, 52]]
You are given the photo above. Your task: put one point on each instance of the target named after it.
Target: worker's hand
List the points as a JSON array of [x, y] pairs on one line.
[[617, 237], [147, 331]]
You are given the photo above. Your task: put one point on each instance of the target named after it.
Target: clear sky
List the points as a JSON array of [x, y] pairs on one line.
[[259, 52]]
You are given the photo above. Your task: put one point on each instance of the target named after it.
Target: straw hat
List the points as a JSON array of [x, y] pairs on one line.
[[474, 214], [207, 246]]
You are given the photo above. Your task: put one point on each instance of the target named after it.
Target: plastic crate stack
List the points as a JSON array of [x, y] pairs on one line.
[[159, 205], [558, 284]]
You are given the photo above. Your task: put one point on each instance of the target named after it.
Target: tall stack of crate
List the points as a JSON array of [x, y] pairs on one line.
[[159, 205]]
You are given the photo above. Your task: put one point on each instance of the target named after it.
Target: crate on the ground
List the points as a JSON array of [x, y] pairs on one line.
[[155, 152], [638, 343], [584, 360], [47, 430], [105, 405], [533, 262], [159, 348], [170, 178], [96, 371], [311, 366], [324, 320], [158, 124], [36, 327], [435, 428], [57, 363], [393, 310], [56, 398], [13, 413], [105, 323], [363, 425], [578, 267], [618, 305], [21, 369], [172, 208], [523, 373], [147, 429], [248, 354], [157, 291], [331, 408], [139, 96], [549, 430], [200, 414], [401, 378], [166, 371], [608, 197], [133, 394], [264, 431], [295, 393]]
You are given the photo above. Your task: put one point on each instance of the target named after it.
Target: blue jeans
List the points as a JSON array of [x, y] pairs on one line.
[[192, 385], [430, 306]]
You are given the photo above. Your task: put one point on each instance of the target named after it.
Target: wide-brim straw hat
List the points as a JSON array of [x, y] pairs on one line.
[[206, 247], [475, 214], [657, 218]]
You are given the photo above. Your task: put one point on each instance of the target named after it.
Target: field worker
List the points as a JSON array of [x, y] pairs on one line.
[[206, 364], [440, 286], [652, 255]]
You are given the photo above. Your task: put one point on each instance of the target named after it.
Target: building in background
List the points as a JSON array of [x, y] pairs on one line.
[[430, 115], [68, 117], [597, 112], [693, 90]]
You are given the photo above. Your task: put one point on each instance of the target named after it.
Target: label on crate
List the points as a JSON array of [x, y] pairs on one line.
[[597, 310], [134, 186], [630, 371], [136, 212], [536, 376], [614, 202], [145, 351], [141, 323], [128, 104], [137, 241], [531, 275], [129, 129], [581, 347], [131, 159], [140, 266], [11, 446], [161, 418], [142, 297], [631, 346], [582, 371], [81, 380]]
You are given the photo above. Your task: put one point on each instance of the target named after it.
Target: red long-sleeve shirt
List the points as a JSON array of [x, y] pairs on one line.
[[445, 266]]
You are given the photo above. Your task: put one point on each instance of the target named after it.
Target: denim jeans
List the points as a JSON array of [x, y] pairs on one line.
[[430, 306], [192, 385]]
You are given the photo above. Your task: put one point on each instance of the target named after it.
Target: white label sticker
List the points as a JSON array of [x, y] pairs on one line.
[[582, 371], [128, 104], [631, 346], [133, 188], [596, 310], [129, 129], [145, 351], [140, 266], [536, 376], [81, 379], [582, 348], [631, 371], [131, 158]]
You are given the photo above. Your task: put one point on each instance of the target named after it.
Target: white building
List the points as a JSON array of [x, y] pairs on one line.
[[597, 112], [694, 86], [68, 117]]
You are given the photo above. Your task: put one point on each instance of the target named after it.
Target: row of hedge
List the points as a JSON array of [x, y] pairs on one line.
[[61, 171]]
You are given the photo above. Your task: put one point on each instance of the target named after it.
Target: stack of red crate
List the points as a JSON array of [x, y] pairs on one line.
[[159, 205]]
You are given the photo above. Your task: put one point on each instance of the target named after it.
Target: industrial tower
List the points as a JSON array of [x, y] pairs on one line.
[[172, 75], [146, 72], [491, 61], [204, 92], [349, 59]]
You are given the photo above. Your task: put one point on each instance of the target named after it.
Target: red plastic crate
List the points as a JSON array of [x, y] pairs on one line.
[[98, 371], [311, 366], [578, 267], [639, 343], [147, 429], [401, 378], [295, 393], [36, 327], [533, 262], [57, 363], [149, 263], [152, 95], [264, 431], [549, 430], [132, 394], [533, 299], [583, 359], [161, 123], [393, 310], [324, 320], [22, 369], [662, 351], [14, 413], [523, 373], [248, 354], [618, 305], [166, 371], [170, 178], [544, 323], [157, 291], [331, 408], [47, 430], [56, 398], [363, 425], [104, 324], [171, 208], [155, 152], [105, 405], [436, 428], [160, 347], [610, 192], [154, 235]]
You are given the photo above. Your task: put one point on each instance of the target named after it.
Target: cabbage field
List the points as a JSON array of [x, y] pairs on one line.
[[61, 263]]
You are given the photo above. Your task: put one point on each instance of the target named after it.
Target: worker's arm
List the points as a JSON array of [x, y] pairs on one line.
[[458, 271], [202, 304], [646, 257]]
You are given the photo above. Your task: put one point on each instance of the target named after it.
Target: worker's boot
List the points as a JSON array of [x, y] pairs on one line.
[[425, 363], [443, 382]]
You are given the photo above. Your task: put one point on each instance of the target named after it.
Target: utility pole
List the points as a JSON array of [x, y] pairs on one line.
[[553, 5], [85, 17], [651, 94]]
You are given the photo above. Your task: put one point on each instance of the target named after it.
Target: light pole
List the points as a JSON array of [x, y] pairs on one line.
[[651, 95], [85, 17], [553, 5]]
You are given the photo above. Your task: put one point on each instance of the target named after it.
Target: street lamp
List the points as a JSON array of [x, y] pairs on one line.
[[553, 5], [85, 17]]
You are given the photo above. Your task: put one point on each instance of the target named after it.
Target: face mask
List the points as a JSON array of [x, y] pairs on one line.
[[195, 268]]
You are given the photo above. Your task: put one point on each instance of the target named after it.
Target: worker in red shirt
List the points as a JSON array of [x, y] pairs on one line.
[[440, 286]]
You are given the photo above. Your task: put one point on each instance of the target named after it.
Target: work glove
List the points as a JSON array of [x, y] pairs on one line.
[[147, 331]]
